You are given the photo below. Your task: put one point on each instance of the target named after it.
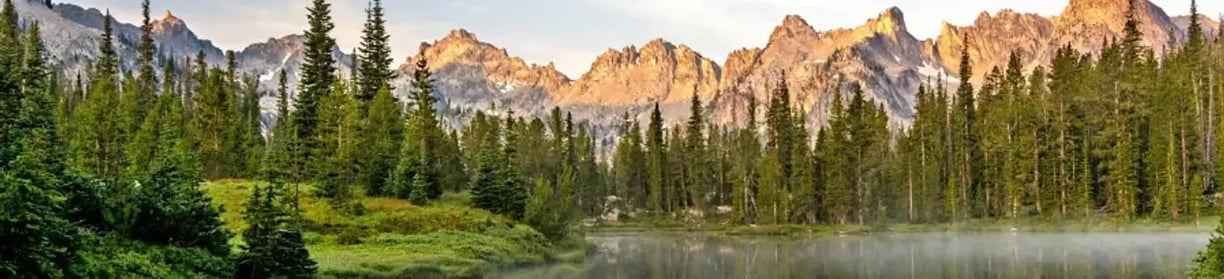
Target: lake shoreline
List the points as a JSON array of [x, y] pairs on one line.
[[972, 226], [697, 255]]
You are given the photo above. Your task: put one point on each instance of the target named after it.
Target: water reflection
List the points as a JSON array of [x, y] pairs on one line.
[[992, 255]]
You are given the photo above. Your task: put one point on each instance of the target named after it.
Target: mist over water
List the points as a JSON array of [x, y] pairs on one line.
[[931, 255]]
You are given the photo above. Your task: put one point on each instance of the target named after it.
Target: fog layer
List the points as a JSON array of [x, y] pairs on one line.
[[984, 255]]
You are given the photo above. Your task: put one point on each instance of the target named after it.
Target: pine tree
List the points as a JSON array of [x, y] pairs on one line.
[[744, 173], [336, 136], [485, 179], [273, 249], [452, 174], [511, 187], [697, 173], [173, 210], [420, 185], [630, 164], [318, 75], [675, 192], [278, 165], [656, 158], [35, 240], [210, 121], [780, 126], [10, 92], [98, 147], [422, 138], [148, 79], [1209, 262], [383, 131], [375, 55], [146, 145], [965, 141]]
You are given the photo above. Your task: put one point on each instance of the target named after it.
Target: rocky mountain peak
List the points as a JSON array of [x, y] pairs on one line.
[[460, 55], [1113, 5], [658, 71], [1084, 22], [992, 38], [169, 24], [890, 22], [793, 26], [170, 19], [461, 34]]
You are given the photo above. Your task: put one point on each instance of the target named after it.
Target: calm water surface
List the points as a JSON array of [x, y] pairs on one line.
[[936, 255]]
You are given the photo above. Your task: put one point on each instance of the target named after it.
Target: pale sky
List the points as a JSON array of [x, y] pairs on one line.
[[573, 32]]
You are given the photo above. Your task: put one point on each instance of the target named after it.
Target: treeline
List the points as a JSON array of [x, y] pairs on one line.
[[1125, 133], [100, 177]]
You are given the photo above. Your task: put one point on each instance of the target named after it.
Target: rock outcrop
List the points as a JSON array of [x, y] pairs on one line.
[[992, 39], [880, 55], [657, 72], [471, 74]]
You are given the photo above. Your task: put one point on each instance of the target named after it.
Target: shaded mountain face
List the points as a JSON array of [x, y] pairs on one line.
[[266, 60], [1210, 25], [880, 55], [79, 28]]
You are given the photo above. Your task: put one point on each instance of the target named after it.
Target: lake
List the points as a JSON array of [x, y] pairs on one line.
[[923, 255]]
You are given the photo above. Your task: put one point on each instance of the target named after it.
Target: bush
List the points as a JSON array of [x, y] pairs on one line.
[[118, 258], [350, 236]]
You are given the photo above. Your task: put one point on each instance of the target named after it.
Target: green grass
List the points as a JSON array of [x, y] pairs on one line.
[[394, 239]]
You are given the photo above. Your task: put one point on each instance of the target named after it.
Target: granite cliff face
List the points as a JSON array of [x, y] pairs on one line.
[[991, 40], [657, 72], [474, 75], [1084, 25], [879, 55]]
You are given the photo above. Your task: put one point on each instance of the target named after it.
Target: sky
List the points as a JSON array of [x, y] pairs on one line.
[[572, 33]]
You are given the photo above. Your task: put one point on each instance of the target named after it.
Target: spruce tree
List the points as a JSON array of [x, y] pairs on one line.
[[145, 145], [98, 147], [318, 74], [965, 143], [10, 92], [35, 241], [147, 79], [422, 138], [698, 172], [383, 131], [375, 55], [630, 164], [211, 123], [278, 164], [273, 248], [656, 158], [336, 138], [485, 177], [511, 187]]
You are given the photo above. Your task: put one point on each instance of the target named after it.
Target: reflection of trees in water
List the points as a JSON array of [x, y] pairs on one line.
[[903, 256]]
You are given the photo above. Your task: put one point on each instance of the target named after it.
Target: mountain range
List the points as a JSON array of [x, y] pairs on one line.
[[881, 55]]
